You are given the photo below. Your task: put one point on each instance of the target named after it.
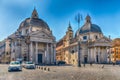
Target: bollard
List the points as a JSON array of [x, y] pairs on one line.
[[41, 68], [48, 69], [90, 63], [44, 68]]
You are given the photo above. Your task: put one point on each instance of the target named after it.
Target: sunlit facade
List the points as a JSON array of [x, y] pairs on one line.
[[32, 41], [93, 44], [115, 54]]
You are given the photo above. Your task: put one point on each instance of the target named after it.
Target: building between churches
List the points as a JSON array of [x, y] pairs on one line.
[[89, 45], [33, 41]]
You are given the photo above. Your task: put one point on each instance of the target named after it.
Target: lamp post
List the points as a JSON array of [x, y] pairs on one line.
[[78, 18], [79, 62]]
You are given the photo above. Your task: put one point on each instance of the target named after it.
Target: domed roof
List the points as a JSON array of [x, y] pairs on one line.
[[34, 21], [88, 27]]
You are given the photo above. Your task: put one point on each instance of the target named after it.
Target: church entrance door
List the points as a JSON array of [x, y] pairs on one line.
[[40, 58], [85, 59], [97, 59]]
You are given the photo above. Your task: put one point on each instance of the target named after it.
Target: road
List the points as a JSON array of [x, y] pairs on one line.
[[94, 72]]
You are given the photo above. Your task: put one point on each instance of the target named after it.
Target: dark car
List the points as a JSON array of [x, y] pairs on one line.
[[61, 62]]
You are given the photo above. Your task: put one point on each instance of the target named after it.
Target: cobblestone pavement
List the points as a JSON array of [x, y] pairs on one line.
[[94, 72]]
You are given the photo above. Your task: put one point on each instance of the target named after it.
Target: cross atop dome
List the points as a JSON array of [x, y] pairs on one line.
[[34, 13]]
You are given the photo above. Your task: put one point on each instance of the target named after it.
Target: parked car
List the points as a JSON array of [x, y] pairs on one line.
[[61, 62], [29, 65], [15, 66]]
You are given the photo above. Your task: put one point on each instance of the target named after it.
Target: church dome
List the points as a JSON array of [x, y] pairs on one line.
[[88, 27], [34, 21], [93, 28]]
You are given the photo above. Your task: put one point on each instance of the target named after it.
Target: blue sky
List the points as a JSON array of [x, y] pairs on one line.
[[58, 13]]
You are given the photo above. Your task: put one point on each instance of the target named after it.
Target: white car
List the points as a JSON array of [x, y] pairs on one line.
[[15, 66], [29, 65]]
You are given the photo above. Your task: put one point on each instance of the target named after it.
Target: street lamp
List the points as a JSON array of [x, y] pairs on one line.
[[79, 63], [78, 18]]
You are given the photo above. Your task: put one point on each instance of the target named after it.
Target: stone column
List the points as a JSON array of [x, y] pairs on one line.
[[106, 55], [54, 52], [95, 54], [31, 52], [99, 55], [91, 55], [36, 55], [51, 54], [88, 55], [45, 57], [47, 54]]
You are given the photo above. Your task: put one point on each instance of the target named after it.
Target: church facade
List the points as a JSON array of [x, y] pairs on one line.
[[89, 45], [33, 41]]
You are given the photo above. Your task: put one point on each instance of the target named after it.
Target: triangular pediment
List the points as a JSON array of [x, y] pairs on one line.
[[103, 40], [41, 34]]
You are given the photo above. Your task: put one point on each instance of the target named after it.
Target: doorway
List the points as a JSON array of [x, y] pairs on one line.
[[85, 59], [40, 58], [97, 58]]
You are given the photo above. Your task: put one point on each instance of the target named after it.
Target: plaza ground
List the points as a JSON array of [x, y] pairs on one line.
[[94, 72]]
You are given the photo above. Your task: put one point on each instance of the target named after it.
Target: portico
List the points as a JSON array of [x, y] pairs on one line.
[[42, 53]]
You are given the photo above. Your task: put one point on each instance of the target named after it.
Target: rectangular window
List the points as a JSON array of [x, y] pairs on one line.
[[84, 37]]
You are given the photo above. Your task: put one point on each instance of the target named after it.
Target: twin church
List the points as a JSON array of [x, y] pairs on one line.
[[88, 45], [35, 41]]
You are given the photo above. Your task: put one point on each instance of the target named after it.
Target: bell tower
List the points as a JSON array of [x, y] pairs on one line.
[[69, 34]]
